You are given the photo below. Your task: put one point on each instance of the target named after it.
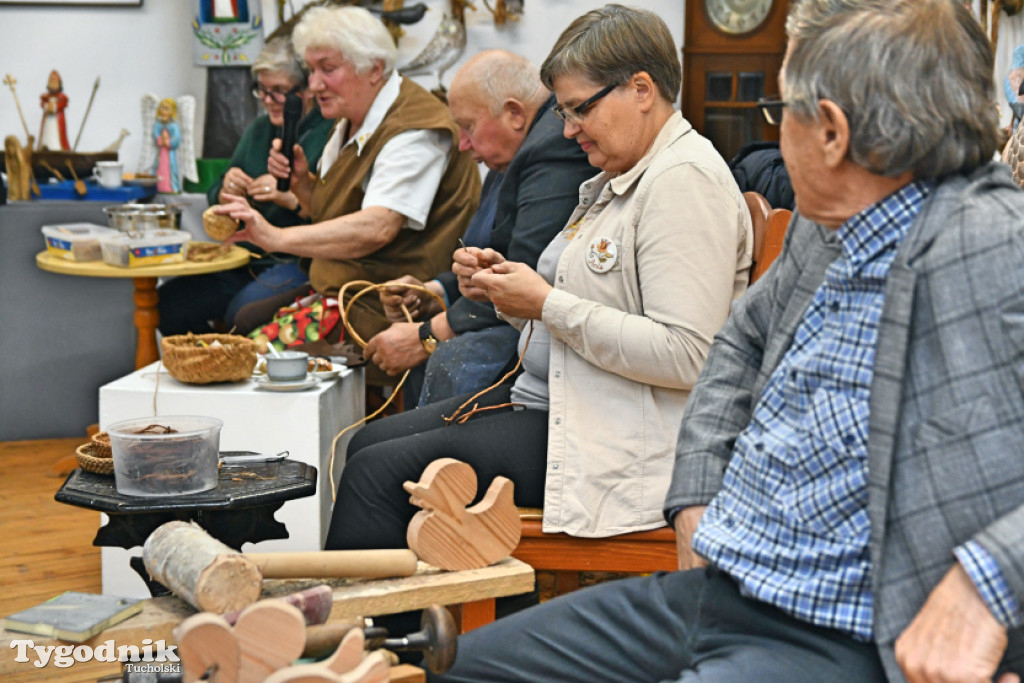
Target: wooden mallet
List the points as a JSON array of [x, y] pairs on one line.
[[215, 578]]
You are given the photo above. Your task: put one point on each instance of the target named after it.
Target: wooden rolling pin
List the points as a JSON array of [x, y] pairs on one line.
[[214, 578]]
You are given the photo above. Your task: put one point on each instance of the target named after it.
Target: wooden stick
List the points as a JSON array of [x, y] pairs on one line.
[[9, 81], [372, 564], [95, 87]]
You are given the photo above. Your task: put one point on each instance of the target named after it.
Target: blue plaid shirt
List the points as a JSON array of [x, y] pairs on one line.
[[791, 522]]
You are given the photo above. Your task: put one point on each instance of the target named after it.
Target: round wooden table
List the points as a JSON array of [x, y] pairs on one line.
[[147, 317]]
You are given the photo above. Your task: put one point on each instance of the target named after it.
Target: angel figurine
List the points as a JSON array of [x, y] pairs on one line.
[[168, 152]]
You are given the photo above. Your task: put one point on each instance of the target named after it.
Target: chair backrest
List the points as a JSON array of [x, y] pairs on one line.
[[771, 243], [759, 208]]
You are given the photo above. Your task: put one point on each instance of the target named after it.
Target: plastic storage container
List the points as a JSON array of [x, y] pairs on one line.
[[147, 249], [165, 456], [76, 241]]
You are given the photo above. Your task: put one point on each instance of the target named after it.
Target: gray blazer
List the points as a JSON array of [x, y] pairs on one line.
[[946, 439]]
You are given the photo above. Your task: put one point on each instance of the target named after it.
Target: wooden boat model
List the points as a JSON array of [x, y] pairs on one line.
[[82, 162]]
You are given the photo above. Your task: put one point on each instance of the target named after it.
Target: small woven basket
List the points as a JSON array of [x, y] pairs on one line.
[[90, 461], [100, 442], [208, 358]]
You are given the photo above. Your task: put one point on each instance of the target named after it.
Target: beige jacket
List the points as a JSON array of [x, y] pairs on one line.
[[682, 239]]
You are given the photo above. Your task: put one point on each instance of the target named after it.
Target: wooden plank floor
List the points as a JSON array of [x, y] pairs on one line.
[[47, 546]]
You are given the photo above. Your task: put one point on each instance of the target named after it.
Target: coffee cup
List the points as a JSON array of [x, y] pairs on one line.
[[287, 366], [108, 173]]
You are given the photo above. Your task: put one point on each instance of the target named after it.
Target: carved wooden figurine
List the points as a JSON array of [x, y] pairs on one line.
[[267, 638], [449, 535]]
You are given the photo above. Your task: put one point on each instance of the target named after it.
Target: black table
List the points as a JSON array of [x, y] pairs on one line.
[[240, 510]]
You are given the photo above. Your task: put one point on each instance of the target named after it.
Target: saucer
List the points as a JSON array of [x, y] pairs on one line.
[[328, 374], [295, 385]]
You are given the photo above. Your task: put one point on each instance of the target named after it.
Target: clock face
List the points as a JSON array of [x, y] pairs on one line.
[[737, 16]]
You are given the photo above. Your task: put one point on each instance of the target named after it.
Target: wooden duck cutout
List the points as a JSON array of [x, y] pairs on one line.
[[267, 638], [347, 665], [449, 535]]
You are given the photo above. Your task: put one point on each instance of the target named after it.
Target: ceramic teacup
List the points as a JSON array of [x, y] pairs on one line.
[[287, 366], [108, 173]]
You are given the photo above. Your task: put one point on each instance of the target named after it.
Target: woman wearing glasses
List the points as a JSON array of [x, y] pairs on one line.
[[188, 303], [617, 319]]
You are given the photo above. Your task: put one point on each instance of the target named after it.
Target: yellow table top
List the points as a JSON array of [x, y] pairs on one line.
[[238, 256]]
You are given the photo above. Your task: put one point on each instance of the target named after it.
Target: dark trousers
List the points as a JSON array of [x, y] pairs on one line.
[[671, 626], [190, 303], [373, 511]]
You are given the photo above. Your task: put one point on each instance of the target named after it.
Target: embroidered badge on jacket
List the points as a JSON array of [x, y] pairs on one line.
[[602, 255]]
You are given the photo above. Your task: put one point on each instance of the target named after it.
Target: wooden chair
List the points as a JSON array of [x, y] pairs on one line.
[[771, 243], [567, 556], [759, 209], [643, 551]]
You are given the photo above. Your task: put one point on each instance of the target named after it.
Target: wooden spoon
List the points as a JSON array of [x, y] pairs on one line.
[[51, 169], [79, 184]]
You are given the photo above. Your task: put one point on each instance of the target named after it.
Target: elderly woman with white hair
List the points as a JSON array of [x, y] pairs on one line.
[[392, 193], [187, 304]]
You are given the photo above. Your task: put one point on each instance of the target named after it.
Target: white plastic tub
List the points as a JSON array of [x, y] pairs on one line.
[[149, 249], [76, 241]]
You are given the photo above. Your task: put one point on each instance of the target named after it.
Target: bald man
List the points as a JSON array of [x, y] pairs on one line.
[[505, 122]]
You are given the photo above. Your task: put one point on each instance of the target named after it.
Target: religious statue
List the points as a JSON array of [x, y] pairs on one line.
[[53, 132], [167, 152]]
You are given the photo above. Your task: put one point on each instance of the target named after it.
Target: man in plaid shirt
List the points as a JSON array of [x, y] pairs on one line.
[[848, 492]]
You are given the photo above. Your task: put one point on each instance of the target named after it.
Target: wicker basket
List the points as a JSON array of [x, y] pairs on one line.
[[196, 359], [90, 461], [101, 445]]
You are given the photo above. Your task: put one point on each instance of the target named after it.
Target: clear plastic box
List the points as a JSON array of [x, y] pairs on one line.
[[76, 241], [165, 456], [149, 249]]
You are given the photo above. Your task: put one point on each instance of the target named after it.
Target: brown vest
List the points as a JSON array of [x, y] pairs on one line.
[[421, 253]]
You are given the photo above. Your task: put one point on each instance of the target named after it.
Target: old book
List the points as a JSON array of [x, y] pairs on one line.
[[73, 616]]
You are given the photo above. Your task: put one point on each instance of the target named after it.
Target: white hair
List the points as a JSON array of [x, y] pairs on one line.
[[359, 36]]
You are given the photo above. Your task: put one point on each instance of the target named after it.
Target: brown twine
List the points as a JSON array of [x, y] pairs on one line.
[[156, 389], [368, 287], [461, 419]]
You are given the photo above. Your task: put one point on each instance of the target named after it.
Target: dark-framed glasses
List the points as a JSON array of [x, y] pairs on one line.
[[275, 94], [575, 114], [771, 109]]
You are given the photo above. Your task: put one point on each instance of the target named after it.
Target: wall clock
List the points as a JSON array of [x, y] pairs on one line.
[[731, 56], [736, 17]]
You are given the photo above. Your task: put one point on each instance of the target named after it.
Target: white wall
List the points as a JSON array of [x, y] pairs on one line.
[[132, 50], [149, 49]]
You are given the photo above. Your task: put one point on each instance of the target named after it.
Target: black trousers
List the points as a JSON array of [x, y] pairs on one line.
[[690, 627], [373, 511]]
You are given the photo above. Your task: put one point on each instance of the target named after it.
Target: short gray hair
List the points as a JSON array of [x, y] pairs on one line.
[[497, 75], [278, 55], [359, 36], [608, 45], [913, 77]]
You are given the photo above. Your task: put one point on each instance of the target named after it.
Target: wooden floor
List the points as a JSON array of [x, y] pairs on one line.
[[47, 546]]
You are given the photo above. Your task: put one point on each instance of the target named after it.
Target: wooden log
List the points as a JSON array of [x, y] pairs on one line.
[[200, 569]]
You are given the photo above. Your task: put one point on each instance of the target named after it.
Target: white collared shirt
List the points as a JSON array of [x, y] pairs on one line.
[[408, 170]]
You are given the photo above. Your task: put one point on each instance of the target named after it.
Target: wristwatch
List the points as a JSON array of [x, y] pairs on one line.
[[427, 338]]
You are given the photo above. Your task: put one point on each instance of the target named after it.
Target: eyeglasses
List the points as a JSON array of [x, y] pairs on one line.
[[261, 93], [575, 114], [771, 109]]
